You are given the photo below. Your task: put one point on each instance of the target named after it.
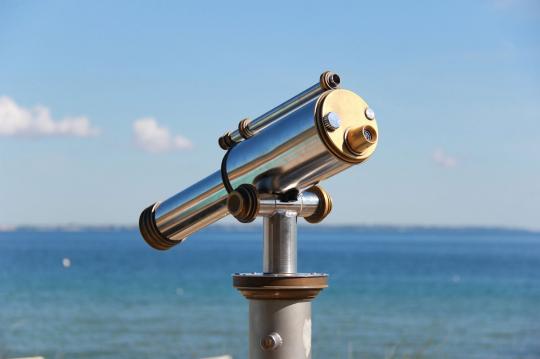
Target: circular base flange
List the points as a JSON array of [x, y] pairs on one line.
[[297, 286]]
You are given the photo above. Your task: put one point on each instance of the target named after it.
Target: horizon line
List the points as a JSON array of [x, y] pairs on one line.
[[75, 227]]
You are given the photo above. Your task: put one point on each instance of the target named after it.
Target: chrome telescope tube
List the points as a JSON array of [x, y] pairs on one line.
[[248, 128], [323, 137]]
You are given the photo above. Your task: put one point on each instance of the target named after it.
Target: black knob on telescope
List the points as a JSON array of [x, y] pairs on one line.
[[243, 203]]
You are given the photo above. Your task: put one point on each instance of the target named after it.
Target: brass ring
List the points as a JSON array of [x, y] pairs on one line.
[[323, 208], [150, 232], [243, 128], [280, 287], [329, 80]]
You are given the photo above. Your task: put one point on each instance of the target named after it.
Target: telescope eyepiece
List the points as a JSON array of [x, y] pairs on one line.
[[359, 139]]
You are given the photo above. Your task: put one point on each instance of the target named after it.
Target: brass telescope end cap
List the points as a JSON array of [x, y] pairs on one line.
[[243, 203], [323, 208], [150, 232], [353, 138]]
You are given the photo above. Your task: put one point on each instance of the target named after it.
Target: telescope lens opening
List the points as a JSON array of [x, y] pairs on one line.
[[360, 139], [368, 135]]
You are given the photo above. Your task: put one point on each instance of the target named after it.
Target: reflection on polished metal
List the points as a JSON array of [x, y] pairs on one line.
[[327, 81], [188, 211], [291, 154], [246, 203], [279, 251], [304, 205]]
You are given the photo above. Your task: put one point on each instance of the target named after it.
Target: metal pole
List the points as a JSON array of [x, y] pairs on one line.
[[280, 329], [279, 253]]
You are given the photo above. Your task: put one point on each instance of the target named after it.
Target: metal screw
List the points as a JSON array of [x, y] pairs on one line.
[[271, 342], [331, 121], [370, 114]]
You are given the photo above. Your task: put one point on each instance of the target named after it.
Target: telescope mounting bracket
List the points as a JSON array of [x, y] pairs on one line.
[[280, 307]]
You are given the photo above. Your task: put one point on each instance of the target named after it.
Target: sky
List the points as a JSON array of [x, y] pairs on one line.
[[107, 107]]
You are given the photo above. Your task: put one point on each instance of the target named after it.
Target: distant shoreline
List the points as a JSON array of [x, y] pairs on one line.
[[303, 227]]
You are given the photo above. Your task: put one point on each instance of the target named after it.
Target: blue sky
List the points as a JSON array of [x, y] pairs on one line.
[[88, 87]]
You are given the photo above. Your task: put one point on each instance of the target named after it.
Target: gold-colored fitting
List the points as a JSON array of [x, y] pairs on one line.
[[325, 205], [225, 141], [244, 130], [280, 286], [329, 80], [361, 138]]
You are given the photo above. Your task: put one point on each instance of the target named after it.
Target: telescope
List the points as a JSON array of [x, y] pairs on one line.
[[271, 168]]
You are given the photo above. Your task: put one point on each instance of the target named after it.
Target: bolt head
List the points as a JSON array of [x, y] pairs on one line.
[[331, 121], [271, 341], [268, 343], [370, 114]]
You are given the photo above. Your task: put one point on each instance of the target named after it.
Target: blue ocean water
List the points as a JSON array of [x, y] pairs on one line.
[[393, 294]]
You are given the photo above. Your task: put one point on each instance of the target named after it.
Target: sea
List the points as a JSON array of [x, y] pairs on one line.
[[393, 293]]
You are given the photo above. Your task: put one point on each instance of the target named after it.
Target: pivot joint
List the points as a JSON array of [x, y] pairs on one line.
[[245, 204]]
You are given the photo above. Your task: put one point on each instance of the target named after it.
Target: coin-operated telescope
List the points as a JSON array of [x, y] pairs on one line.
[[271, 168]]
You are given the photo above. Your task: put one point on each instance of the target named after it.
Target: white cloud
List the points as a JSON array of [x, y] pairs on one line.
[[16, 120], [150, 137], [443, 159]]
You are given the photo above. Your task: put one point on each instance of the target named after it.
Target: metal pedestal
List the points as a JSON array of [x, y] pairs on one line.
[[279, 298], [279, 329]]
